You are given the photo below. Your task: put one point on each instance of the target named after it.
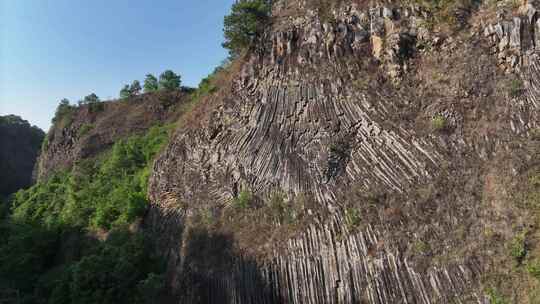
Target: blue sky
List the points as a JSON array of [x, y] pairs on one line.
[[70, 48]]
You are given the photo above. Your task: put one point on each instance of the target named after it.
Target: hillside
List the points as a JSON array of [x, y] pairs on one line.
[[364, 153], [19, 147], [351, 152], [83, 132], [74, 236]]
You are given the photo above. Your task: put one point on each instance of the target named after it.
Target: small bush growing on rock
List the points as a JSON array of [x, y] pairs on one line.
[[533, 268], [63, 117], [245, 24], [84, 129], [438, 122], [243, 200], [45, 143], [518, 249], [352, 218], [64, 109], [495, 296], [515, 88], [421, 247]]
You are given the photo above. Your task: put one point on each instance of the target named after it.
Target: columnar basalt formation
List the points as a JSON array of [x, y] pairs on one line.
[[330, 108]]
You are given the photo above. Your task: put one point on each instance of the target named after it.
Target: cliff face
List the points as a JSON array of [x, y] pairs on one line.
[[19, 149], [84, 132], [376, 151]]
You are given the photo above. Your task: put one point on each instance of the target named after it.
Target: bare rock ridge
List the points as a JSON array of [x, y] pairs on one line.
[[84, 132], [334, 110]]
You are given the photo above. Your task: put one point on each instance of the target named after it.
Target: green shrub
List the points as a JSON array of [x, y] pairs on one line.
[[495, 297], [533, 268], [63, 110], [94, 103], [281, 210], [352, 218], [438, 122], [243, 201], [103, 194], [45, 143], [421, 247], [44, 249], [515, 88], [517, 247], [245, 24], [84, 129]]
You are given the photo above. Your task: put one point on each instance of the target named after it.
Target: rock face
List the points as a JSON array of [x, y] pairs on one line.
[[85, 132], [337, 110], [19, 148]]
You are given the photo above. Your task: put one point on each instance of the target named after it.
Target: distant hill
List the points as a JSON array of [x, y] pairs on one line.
[[19, 147]]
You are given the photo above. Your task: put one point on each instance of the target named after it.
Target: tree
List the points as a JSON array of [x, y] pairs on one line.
[[93, 102], [125, 92], [135, 88], [245, 24], [150, 83], [90, 99], [63, 109], [168, 80]]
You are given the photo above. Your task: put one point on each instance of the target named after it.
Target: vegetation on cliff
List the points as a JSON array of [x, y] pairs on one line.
[[245, 24], [74, 239]]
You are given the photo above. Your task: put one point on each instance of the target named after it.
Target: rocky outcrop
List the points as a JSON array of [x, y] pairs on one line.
[[337, 110], [516, 38], [19, 148], [84, 131]]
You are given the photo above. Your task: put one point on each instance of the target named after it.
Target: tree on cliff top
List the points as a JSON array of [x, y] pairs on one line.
[[168, 80], [245, 24], [125, 92], [150, 83], [135, 88]]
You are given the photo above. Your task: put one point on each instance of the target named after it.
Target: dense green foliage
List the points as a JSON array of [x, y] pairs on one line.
[[135, 87], [169, 80], [125, 92], [208, 84], [48, 246], [63, 110], [99, 194], [243, 200], [130, 90], [245, 23], [150, 83]]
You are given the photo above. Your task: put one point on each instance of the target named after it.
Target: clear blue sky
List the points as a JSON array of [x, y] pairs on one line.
[[51, 49]]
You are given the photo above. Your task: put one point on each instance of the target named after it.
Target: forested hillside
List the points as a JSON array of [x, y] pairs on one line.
[[20, 144], [346, 152]]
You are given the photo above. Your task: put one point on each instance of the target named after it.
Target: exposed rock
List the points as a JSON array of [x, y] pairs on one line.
[[86, 133], [313, 113]]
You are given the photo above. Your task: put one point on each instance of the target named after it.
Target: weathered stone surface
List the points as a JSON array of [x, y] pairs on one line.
[[117, 120], [302, 118]]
